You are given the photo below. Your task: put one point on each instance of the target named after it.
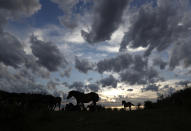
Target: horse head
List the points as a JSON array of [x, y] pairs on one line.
[[70, 94], [123, 102]]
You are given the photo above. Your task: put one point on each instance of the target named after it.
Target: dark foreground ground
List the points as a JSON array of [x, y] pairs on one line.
[[143, 120]]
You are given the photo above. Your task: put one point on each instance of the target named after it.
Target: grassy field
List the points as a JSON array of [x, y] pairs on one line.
[[172, 113], [151, 120]]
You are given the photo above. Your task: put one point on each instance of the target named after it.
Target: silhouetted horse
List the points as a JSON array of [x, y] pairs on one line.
[[82, 98], [58, 102], [71, 107], [24, 101], [95, 108], [127, 104]]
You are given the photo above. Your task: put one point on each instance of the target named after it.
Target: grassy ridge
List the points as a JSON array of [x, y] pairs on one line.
[[157, 120], [172, 113]]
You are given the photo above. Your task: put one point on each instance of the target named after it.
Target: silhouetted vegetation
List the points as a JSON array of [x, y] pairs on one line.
[[148, 104], [179, 99], [138, 106], [17, 113], [23, 102]]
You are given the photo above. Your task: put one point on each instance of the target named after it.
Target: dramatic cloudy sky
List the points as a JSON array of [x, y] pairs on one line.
[[134, 50]]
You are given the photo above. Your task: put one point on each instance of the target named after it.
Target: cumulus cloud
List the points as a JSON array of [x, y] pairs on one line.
[[132, 69], [12, 9], [160, 63], [115, 64], [152, 87], [19, 81], [145, 76], [71, 19], [66, 72], [181, 53], [83, 65], [183, 83], [23, 81], [11, 50], [32, 65], [12, 54], [47, 53], [165, 91], [109, 81], [158, 27], [66, 6], [107, 18], [80, 86], [92, 87], [20, 7], [77, 85]]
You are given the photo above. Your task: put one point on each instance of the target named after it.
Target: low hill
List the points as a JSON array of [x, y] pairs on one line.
[[179, 99]]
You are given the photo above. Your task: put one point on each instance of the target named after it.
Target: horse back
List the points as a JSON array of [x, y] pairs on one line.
[[94, 96]]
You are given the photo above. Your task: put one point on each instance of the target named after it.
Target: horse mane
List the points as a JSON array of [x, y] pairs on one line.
[[124, 102]]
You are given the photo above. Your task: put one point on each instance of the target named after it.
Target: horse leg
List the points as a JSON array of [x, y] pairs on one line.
[[94, 103], [59, 106], [129, 108], [83, 107]]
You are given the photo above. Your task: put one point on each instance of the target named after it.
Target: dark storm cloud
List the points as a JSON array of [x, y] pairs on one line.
[[132, 69], [32, 65], [20, 7], [160, 26], [13, 9], [115, 64], [107, 18], [181, 53], [11, 50], [19, 81], [83, 65], [51, 85], [71, 18], [92, 87], [22, 79], [145, 76], [80, 86], [66, 72], [152, 87], [183, 83], [47, 53], [109, 81], [77, 85], [67, 7], [165, 91], [170, 90], [160, 63]]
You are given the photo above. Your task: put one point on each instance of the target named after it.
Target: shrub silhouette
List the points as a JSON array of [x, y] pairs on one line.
[[95, 108], [148, 104], [138, 106], [23, 101], [180, 98], [71, 107]]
